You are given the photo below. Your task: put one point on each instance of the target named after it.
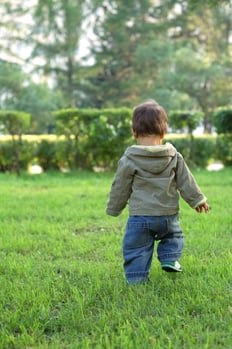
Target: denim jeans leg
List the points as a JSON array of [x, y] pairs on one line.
[[138, 246], [171, 245]]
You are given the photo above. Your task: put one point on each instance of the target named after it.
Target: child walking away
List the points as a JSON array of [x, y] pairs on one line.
[[150, 177]]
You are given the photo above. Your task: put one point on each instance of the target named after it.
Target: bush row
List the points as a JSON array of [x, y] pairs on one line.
[[97, 137], [63, 153]]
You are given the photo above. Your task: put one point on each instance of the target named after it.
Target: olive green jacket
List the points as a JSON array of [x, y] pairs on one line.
[[150, 179]]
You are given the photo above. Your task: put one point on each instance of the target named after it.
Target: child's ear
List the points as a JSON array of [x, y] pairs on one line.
[[134, 133], [162, 136]]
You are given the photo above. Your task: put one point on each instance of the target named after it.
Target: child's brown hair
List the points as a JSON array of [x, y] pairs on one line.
[[149, 118]]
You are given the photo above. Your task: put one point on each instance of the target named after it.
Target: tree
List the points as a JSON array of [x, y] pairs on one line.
[[198, 3], [185, 119], [15, 123], [38, 100], [120, 28], [169, 50], [55, 37], [17, 92], [196, 70], [15, 26], [205, 83], [11, 80], [175, 51]]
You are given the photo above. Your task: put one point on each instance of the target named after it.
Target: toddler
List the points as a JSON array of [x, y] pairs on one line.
[[150, 177]]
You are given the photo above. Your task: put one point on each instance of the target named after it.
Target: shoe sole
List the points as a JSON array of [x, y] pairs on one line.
[[171, 269]]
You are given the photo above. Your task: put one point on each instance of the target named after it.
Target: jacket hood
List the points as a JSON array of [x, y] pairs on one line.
[[153, 159]]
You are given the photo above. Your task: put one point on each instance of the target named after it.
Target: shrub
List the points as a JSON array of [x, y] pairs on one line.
[[95, 136], [45, 154], [223, 120], [203, 151], [224, 149], [223, 124], [197, 152], [15, 123], [7, 156], [181, 119]]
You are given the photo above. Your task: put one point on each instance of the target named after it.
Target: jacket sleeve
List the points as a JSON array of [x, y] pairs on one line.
[[120, 189], [187, 185]]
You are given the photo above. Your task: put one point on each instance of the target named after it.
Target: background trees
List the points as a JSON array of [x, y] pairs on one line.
[[56, 36], [172, 51], [19, 92], [95, 53]]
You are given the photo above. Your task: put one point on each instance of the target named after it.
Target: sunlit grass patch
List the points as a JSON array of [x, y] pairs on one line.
[[61, 275]]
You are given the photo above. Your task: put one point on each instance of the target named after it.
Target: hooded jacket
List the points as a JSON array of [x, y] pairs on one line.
[[150, 179]]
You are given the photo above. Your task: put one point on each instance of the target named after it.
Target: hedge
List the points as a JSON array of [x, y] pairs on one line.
[[86, 138], [52, 154], [94, 137], [223, 120], [14, 123]]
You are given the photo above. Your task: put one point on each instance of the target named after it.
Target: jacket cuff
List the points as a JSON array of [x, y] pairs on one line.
[[113, 213], [200, 202]]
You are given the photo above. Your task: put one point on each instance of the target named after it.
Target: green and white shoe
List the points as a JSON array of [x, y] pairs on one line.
[[171, 266]]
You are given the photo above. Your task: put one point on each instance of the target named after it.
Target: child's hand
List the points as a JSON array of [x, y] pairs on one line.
[[203, 207]]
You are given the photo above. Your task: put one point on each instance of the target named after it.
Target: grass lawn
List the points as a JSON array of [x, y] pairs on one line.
[[61, 274]]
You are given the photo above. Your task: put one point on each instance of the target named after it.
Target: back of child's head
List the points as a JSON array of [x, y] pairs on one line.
[[149, 118]]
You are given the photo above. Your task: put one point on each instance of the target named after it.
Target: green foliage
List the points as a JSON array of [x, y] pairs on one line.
[[72, 122], [19, 93], [98, 135], [109, 133], [166, 52], [45, 154], [223, 124], [11, 78], [178, 53], [224, 149], [14, 122], [88, 138], [199, 3], [196, 82], [223, 120], [7, 155], [62, 21], [180, 119], [96, 151], [197, 152], [203, 152], [39, 101]]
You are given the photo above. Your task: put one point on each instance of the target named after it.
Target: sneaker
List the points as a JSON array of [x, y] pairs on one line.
[[171, 266]]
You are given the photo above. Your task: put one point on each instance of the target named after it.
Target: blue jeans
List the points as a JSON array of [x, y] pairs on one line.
[[138, 244]]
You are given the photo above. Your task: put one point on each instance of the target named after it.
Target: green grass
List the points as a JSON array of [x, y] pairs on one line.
[[61, 274]]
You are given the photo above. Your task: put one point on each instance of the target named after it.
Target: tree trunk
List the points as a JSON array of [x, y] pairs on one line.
[[16, 150], [70, 83]]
